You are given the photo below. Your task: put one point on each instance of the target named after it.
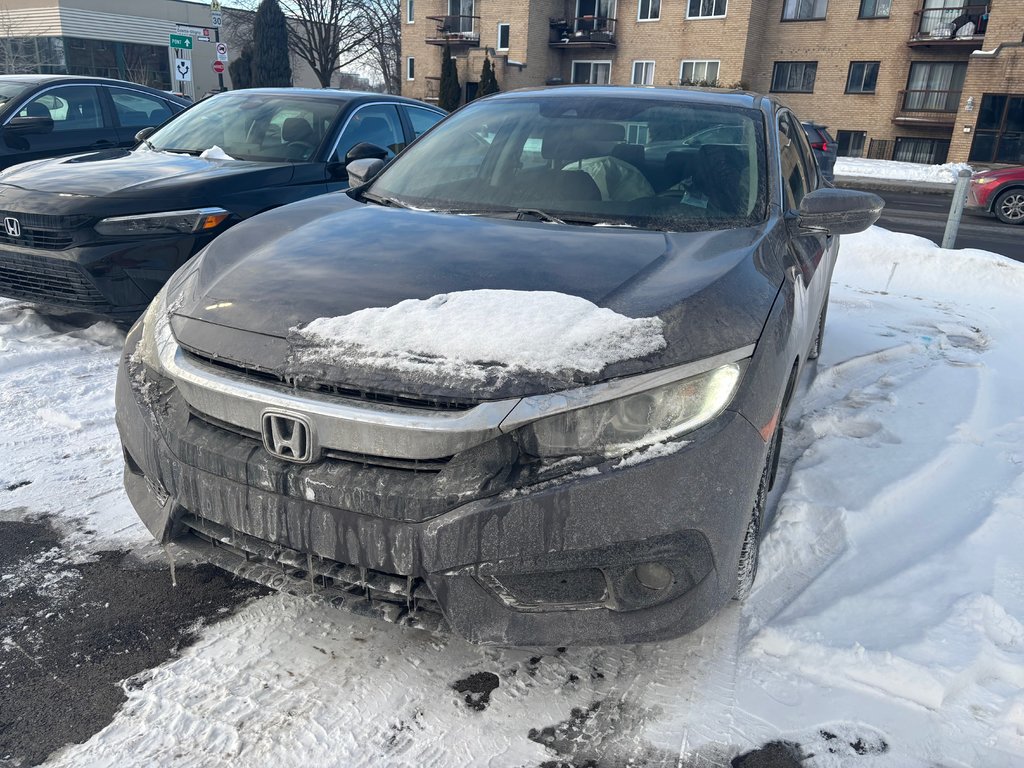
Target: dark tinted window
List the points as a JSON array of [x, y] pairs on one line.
[[794, 76], [138, 110], [422, 120], [71, 107], [374, 124], [797, 170]]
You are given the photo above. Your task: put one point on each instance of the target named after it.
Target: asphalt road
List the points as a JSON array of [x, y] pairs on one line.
[[925, 215]]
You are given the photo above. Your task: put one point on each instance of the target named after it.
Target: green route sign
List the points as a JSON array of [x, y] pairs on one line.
[[181, 41]]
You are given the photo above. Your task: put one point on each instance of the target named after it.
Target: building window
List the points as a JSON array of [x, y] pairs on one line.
[[462, 13], [643, 73], [698, 73], [592, 72], [850, 143], [875, 9], [504, 33], [794, 76], [648, 10], [930, 151], [705, 9], [410, 68], [934, 86], [804, 10], [863, 77], [410, 12]]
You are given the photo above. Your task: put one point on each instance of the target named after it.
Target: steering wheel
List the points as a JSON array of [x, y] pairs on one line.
[[305, 147]]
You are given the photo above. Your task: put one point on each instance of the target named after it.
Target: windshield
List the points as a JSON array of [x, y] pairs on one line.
[[252, 126], [590, 160], [9, 90]]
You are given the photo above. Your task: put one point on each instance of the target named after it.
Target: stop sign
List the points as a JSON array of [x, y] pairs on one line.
[[218, 67]]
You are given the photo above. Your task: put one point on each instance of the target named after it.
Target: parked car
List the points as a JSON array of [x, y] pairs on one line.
[[101, 232], [999, 191], [52, 115], [521, 383], [824, 148]]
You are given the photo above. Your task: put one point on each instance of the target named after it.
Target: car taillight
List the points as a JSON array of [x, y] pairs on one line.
[[822, 145]]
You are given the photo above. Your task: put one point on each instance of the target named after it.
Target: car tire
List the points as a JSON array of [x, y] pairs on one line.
[[1009, 207], [819, 334], [746, 569]]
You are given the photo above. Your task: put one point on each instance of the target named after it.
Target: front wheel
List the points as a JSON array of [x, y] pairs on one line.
[[1009, 206], [746, 570]]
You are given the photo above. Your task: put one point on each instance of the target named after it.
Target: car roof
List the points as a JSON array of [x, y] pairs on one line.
[[337, 94], [693, 95]]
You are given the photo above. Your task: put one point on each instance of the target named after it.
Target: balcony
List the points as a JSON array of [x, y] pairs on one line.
[[455, 31], [583, 32], [433, 88], [962, 27], [927, 109]]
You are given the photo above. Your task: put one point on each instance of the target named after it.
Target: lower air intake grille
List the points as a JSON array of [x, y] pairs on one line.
[[403, 600], [37, 278]]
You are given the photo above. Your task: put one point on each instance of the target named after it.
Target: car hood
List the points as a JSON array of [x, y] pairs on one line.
[[129, 173], [1001, 174], [329, 256]]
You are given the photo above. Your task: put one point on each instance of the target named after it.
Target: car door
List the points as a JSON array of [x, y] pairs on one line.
[[420, 120], [134, 110], [812, 254], [80, 123], [378, 124]]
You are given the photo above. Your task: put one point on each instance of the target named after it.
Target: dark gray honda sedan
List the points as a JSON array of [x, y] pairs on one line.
[[527, 382]]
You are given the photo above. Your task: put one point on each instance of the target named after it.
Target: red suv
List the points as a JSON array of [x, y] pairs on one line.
[[1000, 192]]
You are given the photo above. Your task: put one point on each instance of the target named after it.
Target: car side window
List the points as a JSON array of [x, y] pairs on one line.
[[137, 110], [422, 120], [375, 124], [796, 174], [72, 108]]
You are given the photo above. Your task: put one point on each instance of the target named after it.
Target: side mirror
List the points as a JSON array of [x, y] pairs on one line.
[[838, 211], [366, 151], [145, 133], [361, 171], [29, 125]]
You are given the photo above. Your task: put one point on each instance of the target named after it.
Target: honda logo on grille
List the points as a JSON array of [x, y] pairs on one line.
[[12, 226], [289, 436]]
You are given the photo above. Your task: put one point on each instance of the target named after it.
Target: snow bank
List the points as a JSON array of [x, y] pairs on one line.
[[479, 335], [898, 171]]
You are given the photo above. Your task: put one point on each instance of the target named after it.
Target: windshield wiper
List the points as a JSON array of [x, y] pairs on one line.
[[385, 201], [542, 215]]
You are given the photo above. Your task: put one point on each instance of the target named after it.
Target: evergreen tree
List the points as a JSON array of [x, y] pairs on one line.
[[241, 70], [450, 92], [488, 82], [270, 65]]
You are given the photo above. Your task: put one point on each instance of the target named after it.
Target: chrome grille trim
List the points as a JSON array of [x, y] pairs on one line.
[[359, 427]]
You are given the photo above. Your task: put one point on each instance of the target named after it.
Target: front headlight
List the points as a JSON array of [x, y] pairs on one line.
[[158, 316], [618, 426], [169, 223], [983, 180]]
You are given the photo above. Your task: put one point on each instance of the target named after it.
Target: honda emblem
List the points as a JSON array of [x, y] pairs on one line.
[[12, 227], [289, 436]]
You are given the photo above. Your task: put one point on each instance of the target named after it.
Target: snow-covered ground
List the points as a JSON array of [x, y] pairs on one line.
[[894, 170], [885, 628]]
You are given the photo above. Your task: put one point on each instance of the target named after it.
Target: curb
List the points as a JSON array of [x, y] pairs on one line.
[[871, 183]]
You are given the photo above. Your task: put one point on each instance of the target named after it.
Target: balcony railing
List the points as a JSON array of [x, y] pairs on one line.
[[583, 32], [455, 31], [433, 88], [927, 107], [960, 26]]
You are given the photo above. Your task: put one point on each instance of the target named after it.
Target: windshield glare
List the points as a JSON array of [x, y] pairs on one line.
[[9, 90], [251, 127], [591, 160]]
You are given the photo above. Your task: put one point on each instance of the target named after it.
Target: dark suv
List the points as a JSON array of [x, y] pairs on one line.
[[823, 146]]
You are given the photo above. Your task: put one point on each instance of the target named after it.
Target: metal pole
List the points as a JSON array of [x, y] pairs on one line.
[[220, 75], [956, 208]]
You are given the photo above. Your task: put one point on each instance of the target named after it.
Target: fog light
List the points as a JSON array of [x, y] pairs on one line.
[[654, 575]]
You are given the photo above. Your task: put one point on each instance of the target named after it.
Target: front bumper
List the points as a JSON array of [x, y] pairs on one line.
[[544, 564], [110, 279]]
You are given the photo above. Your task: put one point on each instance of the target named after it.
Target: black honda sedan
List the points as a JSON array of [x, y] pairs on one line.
[[101, 232], [529, 382]]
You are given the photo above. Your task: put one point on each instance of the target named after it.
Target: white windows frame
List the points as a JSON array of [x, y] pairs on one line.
[[595, 69], [410, 68], [693, 71], [706, 9], [648, 10], [643, 72], [410, 11], [507, 29]]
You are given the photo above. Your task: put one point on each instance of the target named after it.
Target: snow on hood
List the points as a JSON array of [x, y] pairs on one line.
[[480, 337], [215, 153]]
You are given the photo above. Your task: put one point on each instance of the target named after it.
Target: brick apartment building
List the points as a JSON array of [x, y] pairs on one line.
[[918, 80]]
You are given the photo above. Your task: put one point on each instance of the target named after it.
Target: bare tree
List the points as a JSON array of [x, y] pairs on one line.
[[382, 17], [328, 35], [17, 46]]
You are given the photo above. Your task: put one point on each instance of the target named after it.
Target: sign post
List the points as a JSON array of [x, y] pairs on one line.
[[215, 21]]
